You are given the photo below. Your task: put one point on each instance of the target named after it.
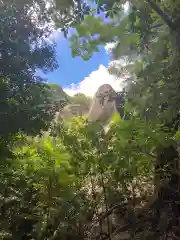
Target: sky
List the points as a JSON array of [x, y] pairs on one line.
[[75, 75]]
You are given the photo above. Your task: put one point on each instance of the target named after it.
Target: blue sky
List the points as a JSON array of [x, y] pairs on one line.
[[74, 70], [76, 75]]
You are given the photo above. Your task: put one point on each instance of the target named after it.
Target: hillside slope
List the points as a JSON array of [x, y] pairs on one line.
[[77, 105], [57, 94]]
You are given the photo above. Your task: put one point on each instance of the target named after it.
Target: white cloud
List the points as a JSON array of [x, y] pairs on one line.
[[118, 62], [109, 46], [55, 36], [126, 7], [95, 79]]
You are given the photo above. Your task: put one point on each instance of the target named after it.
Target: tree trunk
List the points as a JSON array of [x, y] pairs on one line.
[[167, 183], [176, 45]]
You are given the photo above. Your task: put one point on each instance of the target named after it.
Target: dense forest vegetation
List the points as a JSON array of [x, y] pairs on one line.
[[71, 179]]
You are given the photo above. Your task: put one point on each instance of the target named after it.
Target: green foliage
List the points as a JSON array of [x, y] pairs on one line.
[[23, 95], [81, 100], [146, 50], [64, 184], [144, 42], [69, 13], [56, 186], [57, 96], [48, 190]]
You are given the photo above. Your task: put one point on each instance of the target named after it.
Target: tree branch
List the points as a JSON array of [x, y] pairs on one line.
[[157, 26], [162, 14]]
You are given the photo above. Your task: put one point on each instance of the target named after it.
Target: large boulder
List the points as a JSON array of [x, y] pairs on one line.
[[103, 105]]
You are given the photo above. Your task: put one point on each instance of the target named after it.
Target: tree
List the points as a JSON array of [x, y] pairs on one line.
[[82, 100], [67, 14], [23, 94], [58, 96], [59, 186], [147, 37], [82, 182]]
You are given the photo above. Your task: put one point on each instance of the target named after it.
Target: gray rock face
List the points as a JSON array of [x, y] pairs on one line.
[[102, 107], [103, 104]]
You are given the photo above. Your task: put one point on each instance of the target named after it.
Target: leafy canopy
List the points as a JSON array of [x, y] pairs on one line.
[[23, 95]]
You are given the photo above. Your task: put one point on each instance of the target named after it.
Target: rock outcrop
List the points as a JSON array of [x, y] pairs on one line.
[[101, 109], [103, 104]]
